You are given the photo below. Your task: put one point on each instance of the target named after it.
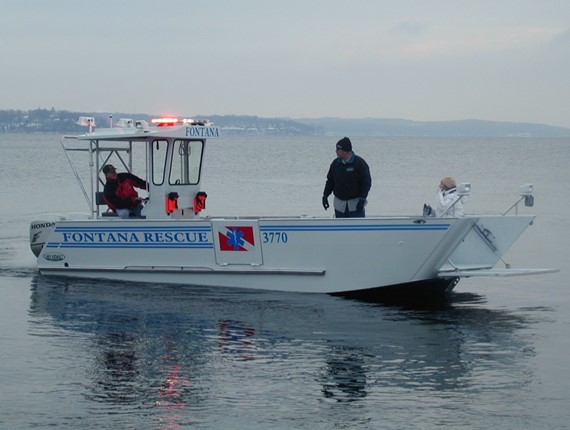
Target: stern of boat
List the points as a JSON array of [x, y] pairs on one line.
[[39, 233]]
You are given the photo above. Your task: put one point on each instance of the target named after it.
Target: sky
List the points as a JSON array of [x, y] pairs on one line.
[[423, 60]]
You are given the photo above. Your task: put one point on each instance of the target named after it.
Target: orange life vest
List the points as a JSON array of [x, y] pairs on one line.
[[200, 201]]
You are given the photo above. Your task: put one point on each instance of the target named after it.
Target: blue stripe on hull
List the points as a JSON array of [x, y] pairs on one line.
[[58, 245]]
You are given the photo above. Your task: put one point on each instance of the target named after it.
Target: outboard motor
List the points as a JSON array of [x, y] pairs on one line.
[[39, 233]]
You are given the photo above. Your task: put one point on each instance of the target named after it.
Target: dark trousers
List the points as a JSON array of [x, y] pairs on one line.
[[347, 214]]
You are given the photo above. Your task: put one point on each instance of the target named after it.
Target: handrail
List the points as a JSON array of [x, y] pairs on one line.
[[77, 178]]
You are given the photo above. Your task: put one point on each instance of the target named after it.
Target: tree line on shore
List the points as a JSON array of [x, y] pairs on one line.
[[62, 121]]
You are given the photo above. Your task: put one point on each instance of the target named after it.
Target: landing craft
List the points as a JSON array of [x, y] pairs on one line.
[[174, 241]]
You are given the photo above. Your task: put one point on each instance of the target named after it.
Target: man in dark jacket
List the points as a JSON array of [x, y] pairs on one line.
[[349, 179], [120, 194]]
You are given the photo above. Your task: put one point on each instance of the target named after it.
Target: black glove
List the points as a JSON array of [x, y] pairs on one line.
[[325, 202], [360, 205]]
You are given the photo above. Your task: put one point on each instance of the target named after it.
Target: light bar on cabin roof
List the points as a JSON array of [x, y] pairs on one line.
[[166, 121]]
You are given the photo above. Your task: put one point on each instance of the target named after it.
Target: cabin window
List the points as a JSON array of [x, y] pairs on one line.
[[159, 161], [186, 162]]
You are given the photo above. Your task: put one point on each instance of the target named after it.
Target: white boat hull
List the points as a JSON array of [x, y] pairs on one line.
[[297, 254]]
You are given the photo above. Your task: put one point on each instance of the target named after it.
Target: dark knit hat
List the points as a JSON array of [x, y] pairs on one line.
[[107, 168], [344, 144]]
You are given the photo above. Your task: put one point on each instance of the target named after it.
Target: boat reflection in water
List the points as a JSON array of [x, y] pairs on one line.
[[184, 353]]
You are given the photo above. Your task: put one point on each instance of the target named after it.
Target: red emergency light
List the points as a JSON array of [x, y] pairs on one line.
[[164, 121]]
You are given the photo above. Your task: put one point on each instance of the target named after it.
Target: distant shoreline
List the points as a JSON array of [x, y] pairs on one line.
[[62, 121]]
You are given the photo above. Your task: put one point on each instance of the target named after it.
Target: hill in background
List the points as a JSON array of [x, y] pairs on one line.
[[403, 127]]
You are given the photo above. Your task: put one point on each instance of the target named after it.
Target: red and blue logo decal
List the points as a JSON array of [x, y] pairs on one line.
[[236, 239]]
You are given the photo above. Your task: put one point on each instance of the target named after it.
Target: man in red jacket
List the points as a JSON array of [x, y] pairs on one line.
[[120, 194]]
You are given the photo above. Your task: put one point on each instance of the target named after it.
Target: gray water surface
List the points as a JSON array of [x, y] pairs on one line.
[[89, 354]]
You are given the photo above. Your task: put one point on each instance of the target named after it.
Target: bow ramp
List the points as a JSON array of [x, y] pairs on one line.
[[485, 244]]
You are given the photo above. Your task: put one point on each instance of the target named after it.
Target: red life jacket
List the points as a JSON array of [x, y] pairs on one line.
[[200, 201], [125, 190]]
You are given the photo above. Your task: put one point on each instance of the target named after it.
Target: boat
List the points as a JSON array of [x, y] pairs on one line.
[[172, 241]]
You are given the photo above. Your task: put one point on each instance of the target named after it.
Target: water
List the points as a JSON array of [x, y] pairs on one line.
[[87, 354]]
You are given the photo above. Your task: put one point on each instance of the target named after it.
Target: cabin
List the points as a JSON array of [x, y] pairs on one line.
[[168, 154]]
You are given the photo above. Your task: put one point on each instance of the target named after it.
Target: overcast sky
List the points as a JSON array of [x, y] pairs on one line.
[[503, 60]]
